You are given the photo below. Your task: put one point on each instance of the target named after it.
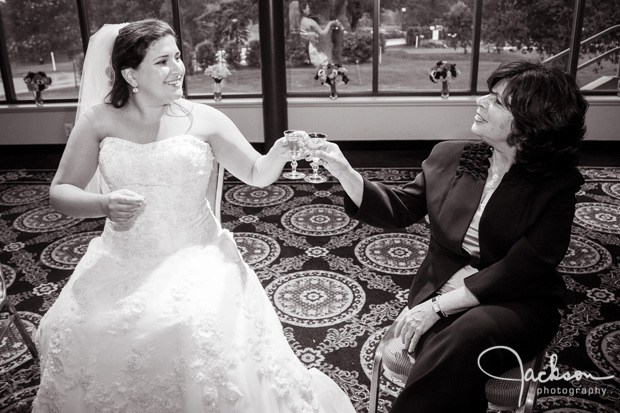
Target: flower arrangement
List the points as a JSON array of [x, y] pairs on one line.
[[36, 83], [332, 74], [443, 71], [217, 72]]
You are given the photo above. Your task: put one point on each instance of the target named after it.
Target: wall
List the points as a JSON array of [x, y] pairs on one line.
[[346, 119], [407, 118], [28, 124]]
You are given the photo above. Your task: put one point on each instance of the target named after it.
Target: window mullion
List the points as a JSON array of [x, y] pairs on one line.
[[575, 38], [5, 67], [475, 50], [376, 49], [84, 23]]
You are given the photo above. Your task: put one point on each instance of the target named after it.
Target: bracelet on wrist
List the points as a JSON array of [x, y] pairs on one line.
[[437, 308]]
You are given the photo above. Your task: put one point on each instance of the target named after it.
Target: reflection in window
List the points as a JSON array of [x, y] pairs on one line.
[[43, 37], [335, 31], [2, 94], [221, 34]]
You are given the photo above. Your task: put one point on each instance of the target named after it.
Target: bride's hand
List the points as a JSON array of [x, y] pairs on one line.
[[280, 150], [122, 205]]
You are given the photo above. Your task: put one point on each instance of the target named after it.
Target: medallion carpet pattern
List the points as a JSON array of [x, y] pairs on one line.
[[335, 283]]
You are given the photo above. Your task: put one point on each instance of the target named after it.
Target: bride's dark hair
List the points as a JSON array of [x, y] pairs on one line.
[[129, 50]]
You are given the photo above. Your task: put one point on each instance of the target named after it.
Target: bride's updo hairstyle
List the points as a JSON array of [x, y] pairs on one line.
[[129, 50]]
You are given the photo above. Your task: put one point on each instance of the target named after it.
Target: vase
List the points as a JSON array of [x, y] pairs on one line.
[[217, 89], [333, 93], [38, 97], [445, 89]]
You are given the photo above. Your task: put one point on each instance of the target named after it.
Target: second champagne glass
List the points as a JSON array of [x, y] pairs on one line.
[[314, 142], [296, 141]]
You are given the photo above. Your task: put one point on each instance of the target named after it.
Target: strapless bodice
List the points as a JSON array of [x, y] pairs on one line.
[[172, 175]]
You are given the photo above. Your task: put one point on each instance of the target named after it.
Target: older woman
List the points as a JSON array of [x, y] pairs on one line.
[[500, 212]]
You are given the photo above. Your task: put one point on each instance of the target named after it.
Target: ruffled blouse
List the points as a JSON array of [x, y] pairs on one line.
[[475, 161]]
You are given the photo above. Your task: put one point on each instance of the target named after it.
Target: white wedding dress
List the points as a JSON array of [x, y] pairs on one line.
[[163, 315]]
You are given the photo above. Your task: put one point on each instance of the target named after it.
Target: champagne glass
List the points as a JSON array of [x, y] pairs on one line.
[[296, 141], [315, 141]]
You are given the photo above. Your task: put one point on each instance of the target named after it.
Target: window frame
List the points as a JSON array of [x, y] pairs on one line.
[[578, 15]]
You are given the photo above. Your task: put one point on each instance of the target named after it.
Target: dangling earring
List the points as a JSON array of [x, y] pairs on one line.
[[135, 89]]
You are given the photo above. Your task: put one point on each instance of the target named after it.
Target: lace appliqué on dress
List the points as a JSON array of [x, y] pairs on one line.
[[163, 315]]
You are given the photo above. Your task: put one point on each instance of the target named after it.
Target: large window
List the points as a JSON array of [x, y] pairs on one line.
[[599, 66], [46, 35], [415, 35], [43, 36], [218, 34], [511, 31], [327, 31]]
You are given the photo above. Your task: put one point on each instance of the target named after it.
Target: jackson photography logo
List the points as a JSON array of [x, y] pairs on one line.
[[544, 376]]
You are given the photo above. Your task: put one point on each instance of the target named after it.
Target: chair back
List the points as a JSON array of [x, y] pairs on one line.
[[2, 287], [12, 319], [4, 326], [397, 361], [215, 188], [504, 393], [394, 362]]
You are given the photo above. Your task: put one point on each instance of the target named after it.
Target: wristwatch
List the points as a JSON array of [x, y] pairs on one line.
[[437, 309]]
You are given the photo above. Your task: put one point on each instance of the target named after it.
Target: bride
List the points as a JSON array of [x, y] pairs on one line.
[[319, 46], [162, 314]]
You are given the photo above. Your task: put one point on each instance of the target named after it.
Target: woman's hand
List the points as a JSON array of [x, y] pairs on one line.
[[333, 160], [413, 323], [280, 150], [122, 205]]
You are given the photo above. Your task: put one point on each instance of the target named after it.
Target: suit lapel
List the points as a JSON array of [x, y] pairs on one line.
[[458, 210]]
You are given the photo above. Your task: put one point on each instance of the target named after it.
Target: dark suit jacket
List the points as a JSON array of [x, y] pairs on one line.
[[524, 231]]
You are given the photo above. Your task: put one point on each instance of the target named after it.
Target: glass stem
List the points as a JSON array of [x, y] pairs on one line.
[[294, 165]]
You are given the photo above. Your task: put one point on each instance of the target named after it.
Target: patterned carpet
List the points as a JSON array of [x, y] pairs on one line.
[[336, 284]]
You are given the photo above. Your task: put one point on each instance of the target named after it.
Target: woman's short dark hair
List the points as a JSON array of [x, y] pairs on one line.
[[549, 114], [129, 50]]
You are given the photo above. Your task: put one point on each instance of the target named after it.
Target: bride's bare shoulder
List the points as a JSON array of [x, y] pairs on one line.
[[204, 115], [106, 120], [208, 122], [196, 108]]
